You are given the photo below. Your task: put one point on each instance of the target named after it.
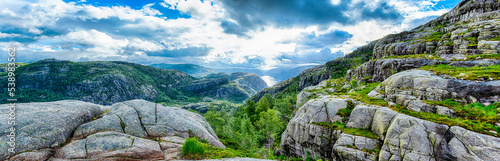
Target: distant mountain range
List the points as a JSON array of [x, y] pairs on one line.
[[191, 69], [279, 74], [110, 82]]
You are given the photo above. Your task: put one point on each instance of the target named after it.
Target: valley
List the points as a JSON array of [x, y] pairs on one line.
[[430, 93]]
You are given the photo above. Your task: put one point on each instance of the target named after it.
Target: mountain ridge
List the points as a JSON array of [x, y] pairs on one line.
[[110, 82], [430, 93]]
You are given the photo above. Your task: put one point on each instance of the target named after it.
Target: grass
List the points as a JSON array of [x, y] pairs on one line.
[[483, 56], [346, 112], [474, 111], [495, 39], [375, 150], [218, 153], [414, 56], [353, 131], [469, 73], [468, 122], [193, 149], [473, 125], [434, 37], [472, 41]]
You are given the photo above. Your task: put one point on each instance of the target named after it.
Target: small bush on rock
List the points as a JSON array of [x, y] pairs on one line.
[[192, 149]]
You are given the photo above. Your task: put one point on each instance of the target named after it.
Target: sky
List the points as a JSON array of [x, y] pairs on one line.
[[240, 34]]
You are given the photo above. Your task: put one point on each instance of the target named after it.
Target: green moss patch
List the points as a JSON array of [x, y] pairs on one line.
[[434, 37], [467, 73], [414, 56], [495, 39], [475, 116], [475, 111], [353, 131], [483, 56]]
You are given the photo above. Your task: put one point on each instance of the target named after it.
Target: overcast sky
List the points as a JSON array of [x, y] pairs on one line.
[[262, 34]]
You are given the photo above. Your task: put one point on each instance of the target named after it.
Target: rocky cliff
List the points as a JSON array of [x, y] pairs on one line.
[[431, 93], [76, 130], [353, 126], [252, 83], [466, 36]]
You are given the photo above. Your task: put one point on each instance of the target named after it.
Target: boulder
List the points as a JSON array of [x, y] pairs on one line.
[[381, 121], [381, 69], [410, 138], [129, 116], [303, 97], [44, 125], [302, 136], [120, 134], [142, 118], [410, 87], [462, 144], [361, 117], [351, 147], [106, 123], [35, 155], [111, 144]]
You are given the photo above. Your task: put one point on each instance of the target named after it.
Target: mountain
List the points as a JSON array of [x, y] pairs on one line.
[[431, 93], [110, 82], [284, 73], [333, 69], [249, 81], [191, 69]]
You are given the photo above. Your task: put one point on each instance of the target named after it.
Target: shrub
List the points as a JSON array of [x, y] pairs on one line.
[[192, 148], [354, 84]]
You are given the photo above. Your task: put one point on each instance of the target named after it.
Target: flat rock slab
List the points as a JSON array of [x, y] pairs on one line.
[[44, 125], [110, 144], [173, 139]]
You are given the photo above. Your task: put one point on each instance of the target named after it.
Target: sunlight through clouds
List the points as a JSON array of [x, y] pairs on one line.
[[207, 32]]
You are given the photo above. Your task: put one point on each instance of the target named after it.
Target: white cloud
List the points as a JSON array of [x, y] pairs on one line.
[[133, 33], [96, 38]]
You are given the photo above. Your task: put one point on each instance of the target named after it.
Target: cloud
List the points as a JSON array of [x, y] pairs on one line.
[[310, 57], [232, 28], [253, 14], [227, 34], [328, 39], [182, 52]]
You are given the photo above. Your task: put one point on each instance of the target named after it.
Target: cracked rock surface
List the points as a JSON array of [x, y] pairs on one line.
[[118, 132], [400, 137]]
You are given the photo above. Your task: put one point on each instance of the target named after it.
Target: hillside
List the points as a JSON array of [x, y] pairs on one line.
[[466, 36], [110, 82], [431, 93], [191, 69]]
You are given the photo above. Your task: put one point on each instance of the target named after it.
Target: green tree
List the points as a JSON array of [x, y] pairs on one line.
[[217, 119], [262, 105], [248, 135], [269, 124], [270, 100], [250, 109]]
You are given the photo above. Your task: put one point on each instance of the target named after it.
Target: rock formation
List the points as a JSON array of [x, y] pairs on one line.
[[79, 130], [394, 120], [397, 136]]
